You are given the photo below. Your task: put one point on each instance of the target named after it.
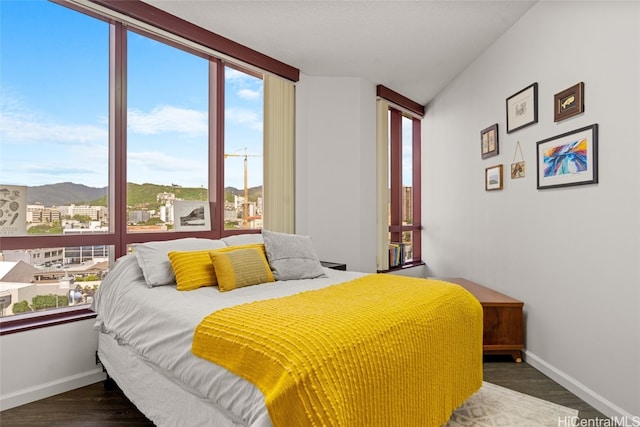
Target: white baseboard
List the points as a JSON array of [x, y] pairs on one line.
[[42, 391], [601, 404]]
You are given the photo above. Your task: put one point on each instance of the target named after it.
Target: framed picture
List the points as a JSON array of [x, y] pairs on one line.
[[517, 170], [569, 102], [13, 210], [493, 178], [191, 215], [489, 141], [568, 159], [522, 108]]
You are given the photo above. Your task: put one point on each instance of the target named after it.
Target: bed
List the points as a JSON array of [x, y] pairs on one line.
[[150, 333]]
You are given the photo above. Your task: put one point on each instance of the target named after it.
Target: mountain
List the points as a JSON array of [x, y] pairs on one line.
[[63, 193], [254, 192], [141, 195]]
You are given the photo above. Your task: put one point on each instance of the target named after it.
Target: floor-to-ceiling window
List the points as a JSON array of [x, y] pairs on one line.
[[111, 134], [404, 178]]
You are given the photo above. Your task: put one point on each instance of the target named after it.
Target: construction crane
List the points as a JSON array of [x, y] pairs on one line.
[[245, 204]]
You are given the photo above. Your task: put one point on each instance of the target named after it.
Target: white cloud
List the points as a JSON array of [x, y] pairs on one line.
[[244, 85], [166, 118], [249, 94], [79, 152], [167, 162], [161, 168], [244, 117], [21, 127], [237, 76]]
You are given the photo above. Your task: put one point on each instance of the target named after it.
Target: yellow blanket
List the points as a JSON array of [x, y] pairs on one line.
[[381, 350]]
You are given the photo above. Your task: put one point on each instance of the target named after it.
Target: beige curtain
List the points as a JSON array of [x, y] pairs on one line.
[[382, 184], [279, 155]]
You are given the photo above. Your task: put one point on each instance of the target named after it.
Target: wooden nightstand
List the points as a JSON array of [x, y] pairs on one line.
[[334, 265], [503, 325]]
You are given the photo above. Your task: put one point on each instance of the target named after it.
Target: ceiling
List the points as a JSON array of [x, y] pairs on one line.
[[413, 47]]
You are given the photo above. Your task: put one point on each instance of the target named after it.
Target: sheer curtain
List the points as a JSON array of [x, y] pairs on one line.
[[382, 185], [279, 154]]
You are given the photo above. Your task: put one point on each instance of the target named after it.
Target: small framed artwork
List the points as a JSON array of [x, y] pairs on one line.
[[489, 141], [493, 178], [568, 159], [517, 170], [522, 108], [13, 210], [191, 216], [569, 102]]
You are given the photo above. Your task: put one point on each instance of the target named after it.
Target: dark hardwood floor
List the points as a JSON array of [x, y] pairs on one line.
[[97, 405], [522, 377]]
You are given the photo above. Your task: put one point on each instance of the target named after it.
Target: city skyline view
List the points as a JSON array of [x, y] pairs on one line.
[[167, 114]]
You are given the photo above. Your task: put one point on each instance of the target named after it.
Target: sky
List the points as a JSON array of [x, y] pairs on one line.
[[54, 105]]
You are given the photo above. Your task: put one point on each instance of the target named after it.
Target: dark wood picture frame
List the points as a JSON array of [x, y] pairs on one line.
[[568, 159], [522, 108], [569, 102], [493, 178], [489, 141]]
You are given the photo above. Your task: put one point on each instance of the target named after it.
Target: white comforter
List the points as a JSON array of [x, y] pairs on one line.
[[158, 323]]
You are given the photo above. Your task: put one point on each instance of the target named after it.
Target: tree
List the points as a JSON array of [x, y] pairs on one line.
[[45, 229], [82, 218], [154, 221], [42, 302], [89, 278], [21, 307]]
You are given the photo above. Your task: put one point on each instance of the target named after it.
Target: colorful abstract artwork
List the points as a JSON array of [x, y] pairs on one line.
[[570, 158]]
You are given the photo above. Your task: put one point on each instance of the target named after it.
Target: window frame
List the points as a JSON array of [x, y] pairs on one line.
[[120, 16], [396, 228], [399, 107]]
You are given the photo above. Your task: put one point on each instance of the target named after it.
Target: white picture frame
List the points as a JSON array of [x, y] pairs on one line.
[[191, 215]]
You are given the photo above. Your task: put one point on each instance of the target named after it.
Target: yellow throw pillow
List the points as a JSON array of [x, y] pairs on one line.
[[193, 269], [241, 267]]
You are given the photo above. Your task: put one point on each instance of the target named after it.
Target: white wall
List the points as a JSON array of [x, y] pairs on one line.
[[48, 361], [335, 168], [573, 254]]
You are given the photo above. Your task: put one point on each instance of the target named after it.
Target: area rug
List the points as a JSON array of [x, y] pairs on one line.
[[493, 405]]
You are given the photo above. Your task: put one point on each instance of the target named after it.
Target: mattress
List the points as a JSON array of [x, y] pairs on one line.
[[154, 327]]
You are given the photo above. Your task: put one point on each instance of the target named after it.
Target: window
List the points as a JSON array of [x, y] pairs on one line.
[[404, 178], [398, 182], [243, 152], [167, 136], [54, 107], [107, 131], [54, 167]]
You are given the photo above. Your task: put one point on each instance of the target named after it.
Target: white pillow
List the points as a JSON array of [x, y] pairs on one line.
[[291, 256], [154, 261], [243, 239]]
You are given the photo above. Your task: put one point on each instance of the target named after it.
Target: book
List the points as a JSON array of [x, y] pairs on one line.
[[396, 254]]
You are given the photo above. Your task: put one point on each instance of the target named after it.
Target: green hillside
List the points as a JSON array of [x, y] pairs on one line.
[[145, 195]]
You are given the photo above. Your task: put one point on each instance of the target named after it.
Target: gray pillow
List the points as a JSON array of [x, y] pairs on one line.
[[154, 261], [291, 256]]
